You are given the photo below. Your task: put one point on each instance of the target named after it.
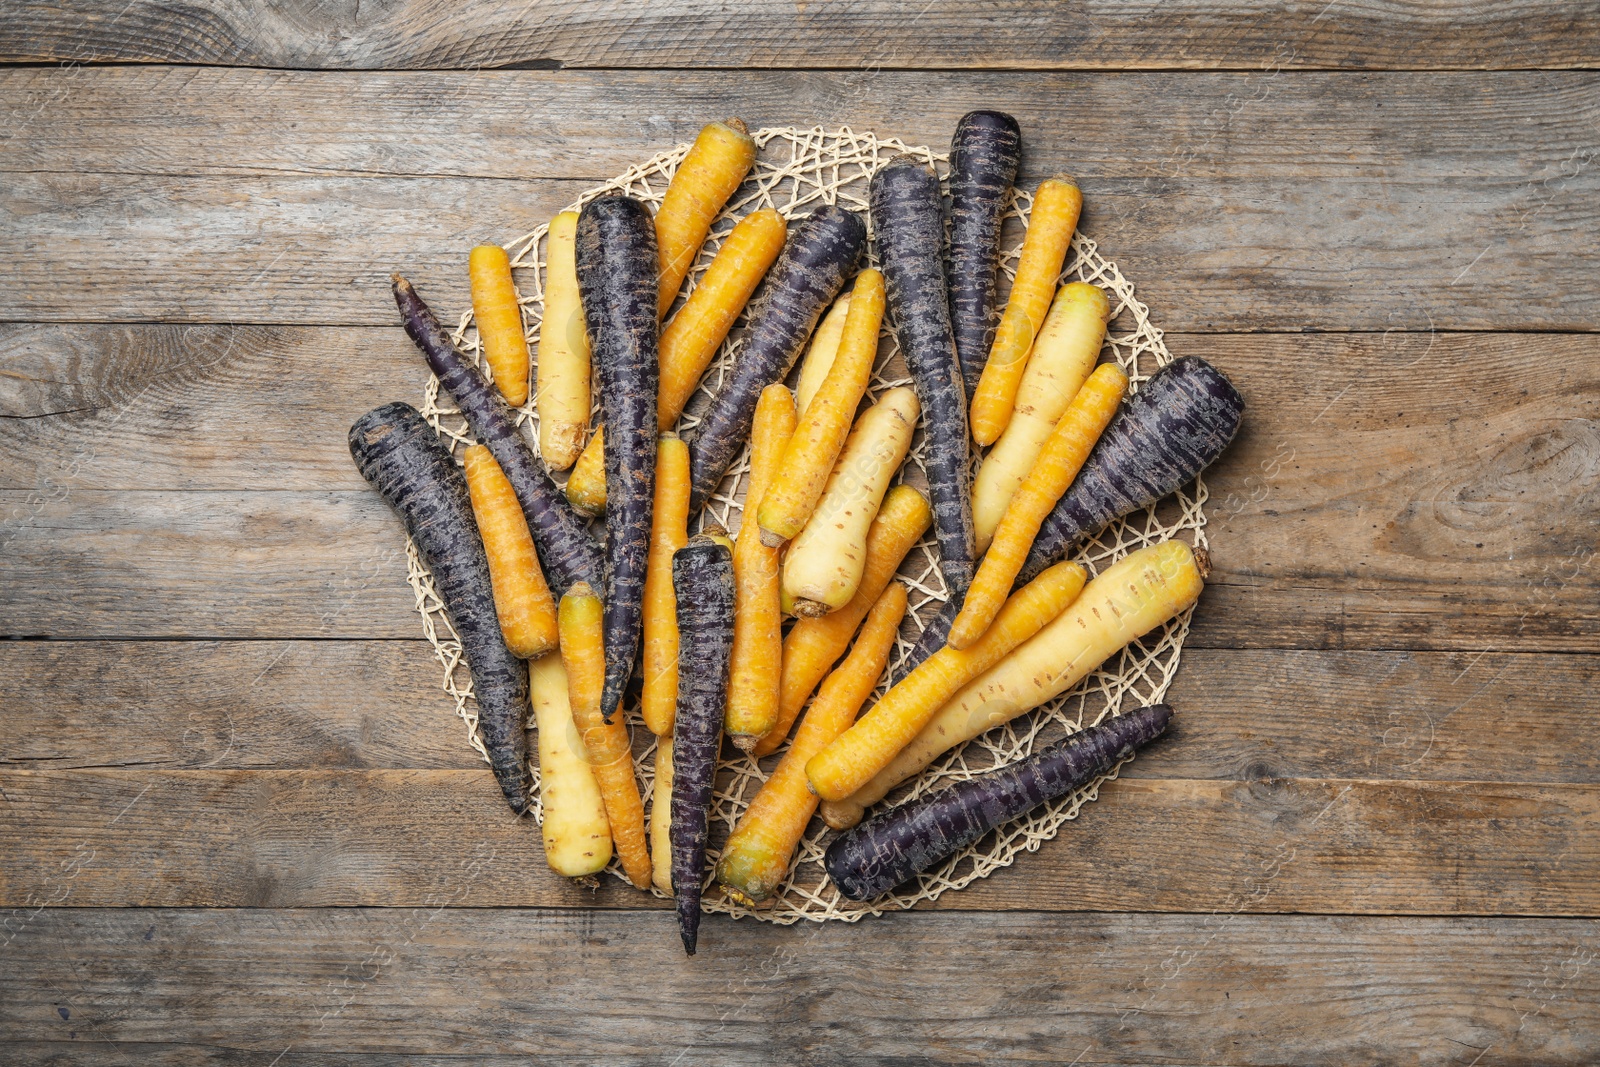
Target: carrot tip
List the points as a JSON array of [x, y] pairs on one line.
[[770, 539], [1202, 563], [810, 609], [745, 742]]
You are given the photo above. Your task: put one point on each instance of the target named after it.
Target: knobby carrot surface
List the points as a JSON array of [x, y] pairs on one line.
[[522, 600], [563, 394], [825, 563], [819, 355], [757, 622], [499, 319], [1063, 356], [577, 835], [1080, 427], [1044, 248], [717, 162], [669, 531], [756, 858], [818, 439], [868, 746], [814, 645], [692, 338], [1124, 602], [604, 743]]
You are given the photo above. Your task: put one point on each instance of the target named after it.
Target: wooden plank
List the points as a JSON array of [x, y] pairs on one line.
[[1360, 508], [871, 34], [1325, 253], [1413, 716], [486, 124], [368, 987], [298, 838]]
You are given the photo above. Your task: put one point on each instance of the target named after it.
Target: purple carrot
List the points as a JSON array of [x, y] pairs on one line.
[[566, 551], [702, 578], [984, 155], [399, 453], [908, 225], [891, 847], [1173, 428], [822, 251], [616, 261]]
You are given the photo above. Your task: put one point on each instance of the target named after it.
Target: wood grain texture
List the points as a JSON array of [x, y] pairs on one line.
[[401, 986], [865, 33], [1243, 715], [1299, 201], [297, 838], [1366, 503]]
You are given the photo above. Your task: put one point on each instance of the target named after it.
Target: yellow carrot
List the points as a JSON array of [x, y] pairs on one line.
[[577, 835], [499, 319], [757, 622], [868, 746], [1080, 427], [1124, 602], [586, 485], [717, 162], [819, 355], [563, 395], [692, 338], [814, 645], [821, 433], [824, 564], [522, 600], [756, 858], [605, 744], [1044, 248], [661, 818], [1063, 355], [669, 532]]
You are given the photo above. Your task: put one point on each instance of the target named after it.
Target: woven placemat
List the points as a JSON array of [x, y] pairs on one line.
[[795, 171]]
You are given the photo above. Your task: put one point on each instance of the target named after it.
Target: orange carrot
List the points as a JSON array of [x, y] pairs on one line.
[[522, 600], [669, 531], [717, 162], [756, 858], [494, 307], [757, 622], [1058, 464], [815, 644], [1055, 215], [605, 743]]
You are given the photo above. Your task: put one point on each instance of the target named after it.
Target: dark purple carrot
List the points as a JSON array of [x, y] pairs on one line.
[[822, 251], [891, 847], [399, 453], [702, 578], [566, 551], [908, 224], [1173, 428], [984, 155], [616, 259]]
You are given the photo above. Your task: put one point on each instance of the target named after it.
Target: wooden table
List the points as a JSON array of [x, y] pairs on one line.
[[240, 822]]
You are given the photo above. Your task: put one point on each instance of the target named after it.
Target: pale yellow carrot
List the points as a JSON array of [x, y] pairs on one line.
[[605, 744], [577, 835], [563, 394], [814, 645], [669, 531], [522, 600], [1124, 602], [757, 622], [866, 748], [1063, 356], [1044, 248], [824, 564], [819, 354], [717, 162], [499, 319], [756, 858], [1080, 427], [818, 439], [661, 818]]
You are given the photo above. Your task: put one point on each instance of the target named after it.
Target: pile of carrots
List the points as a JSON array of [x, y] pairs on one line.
[[552, 621]]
